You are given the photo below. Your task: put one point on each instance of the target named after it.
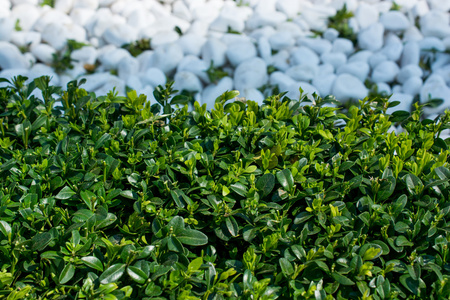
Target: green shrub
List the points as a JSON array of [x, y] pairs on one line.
[[111, 197]]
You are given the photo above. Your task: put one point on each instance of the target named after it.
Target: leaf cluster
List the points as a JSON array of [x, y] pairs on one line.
[[110, 197]]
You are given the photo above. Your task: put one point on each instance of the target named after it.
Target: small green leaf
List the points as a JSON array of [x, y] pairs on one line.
[[239, 188], [195, 264], [372, 253], [40, 241], [65, 193], [192, 237], [285, 179], [265, 184], [112, 274], [342, 279], [286, 267], [102, 140], [232, 225], [5, 228], [93, 262], [67, 273], [129, 194], [137, 274], [402, 241]]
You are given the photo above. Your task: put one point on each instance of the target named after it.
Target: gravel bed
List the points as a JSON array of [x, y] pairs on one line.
[[254, 46]]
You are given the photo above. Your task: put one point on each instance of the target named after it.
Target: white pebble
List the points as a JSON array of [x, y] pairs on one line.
[[251, 73], [119, 34], [86, 54], [393, 47], [212, 91], [435, 87], [195, 65], [187, 81], [330, 34], [405, 100], [127, 67], [281, 80], [411, 54], [319, 45], [10, 57], [342, 45], [214, 50], [348, 87], [432, 43], [376, 59], [240, 52], [264, 49], [385, 72], [191, 44], [167, 57], [43, 53], [336, 59], [366, 15], [253, 94], [412, 85], [362, 56], [304, 72], [111, 58], [435, 23], [394, 21], [281, 40], [324, 83], [281, 60], [358, 69], [371, 38], [383, 87], [153, 77], [304, 55], [409, 71]]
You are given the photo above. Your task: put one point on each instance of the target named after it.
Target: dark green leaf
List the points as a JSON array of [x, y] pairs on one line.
[[137, 274], [265, 184], [112, 274], [93, 262], [285, 179], [67, 273], [192, 237], [65, 193]]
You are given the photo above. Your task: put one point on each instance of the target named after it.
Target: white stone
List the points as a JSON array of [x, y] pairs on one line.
[[366, 15], [253, 95], [265, 19], [442, 5], [26, 14], [385, 72], [127, 67], [348, 87], [145, 60], [164, 38], [324, 83], [225, 22], [239, 52], [212, 91], [376, 59], [358, 69], [91, 4], [5, 9], [394, 21], [420, 9], [180, 10], [308, 90], [25, 38], [64, 5], [110, 59], [231, 38], [440, 60], [409, 71], [81, 16], [191, 44], [304, 72], [281, 40], [251, 73], [11, 58], [154, 77], [134, 83], [75, 32], [319, 45], [435, 23], [112, 83], [290, 8], [214, 50], [330, 34], [195, 65], [86, 55], [412, 85], [264, 49], [411, 54], [406, 4], [6, 29], [304, 55], [317, 16], [325, 69], [383, 88], [281, 80], [55, 35], [393, 47], [167, 57], [265, 31], [187, 81], [342, 45], [49, 17], [335, 59], [39, 70], [397, 88], [140, 19], [435, 87], [281, 60], [43, 53], [11, 73], [444, 71], [412, 34], [432, 43], [362, 56], [405, 100], [119, 34], [371, 38]]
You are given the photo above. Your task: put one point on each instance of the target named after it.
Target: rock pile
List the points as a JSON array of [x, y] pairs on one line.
[[401, 48]]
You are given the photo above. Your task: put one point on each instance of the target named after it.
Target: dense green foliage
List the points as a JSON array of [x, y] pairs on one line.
[[111, 197]]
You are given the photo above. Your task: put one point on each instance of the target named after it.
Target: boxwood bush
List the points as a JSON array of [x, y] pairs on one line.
[[109, 197]]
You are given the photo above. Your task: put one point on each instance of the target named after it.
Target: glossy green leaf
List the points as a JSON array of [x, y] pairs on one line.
[[285, 179], [192, 237], [93, 262], [102, 140], [112, 274], [137, 274], [342, 279], [65, 193], [5, 228], [67, 273], [265, 184]]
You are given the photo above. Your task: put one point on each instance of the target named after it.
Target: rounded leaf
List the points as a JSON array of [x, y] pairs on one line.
[[112, 274]]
